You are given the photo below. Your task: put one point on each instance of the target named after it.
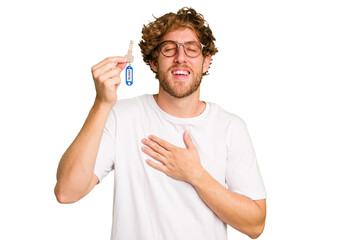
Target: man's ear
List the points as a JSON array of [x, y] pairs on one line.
[[206, 64], [153, 65]]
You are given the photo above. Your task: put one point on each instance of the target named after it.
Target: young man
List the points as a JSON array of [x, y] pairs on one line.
[[183, 168]]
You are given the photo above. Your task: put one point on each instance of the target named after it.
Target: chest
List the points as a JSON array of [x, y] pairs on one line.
[[209, 141]]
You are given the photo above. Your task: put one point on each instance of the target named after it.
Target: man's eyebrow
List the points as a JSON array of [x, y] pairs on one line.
[[179, 42]]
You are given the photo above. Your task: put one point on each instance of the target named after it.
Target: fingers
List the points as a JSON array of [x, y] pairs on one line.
[[109, 74], [157, 166], [155, 147], [187, 140], [114, 60], [161, 142], [106, 75], [99, 70], [115, 81], [154, 155], [104, 68]]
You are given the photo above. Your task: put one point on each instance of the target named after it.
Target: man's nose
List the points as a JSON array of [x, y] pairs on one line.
[[180, 57]]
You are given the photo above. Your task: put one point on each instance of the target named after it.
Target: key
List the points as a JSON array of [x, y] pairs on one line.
[[129, 55], [129, 70]]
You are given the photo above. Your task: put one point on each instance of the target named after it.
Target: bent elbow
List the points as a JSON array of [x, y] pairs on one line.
[[254, 236], [257, 231], [63, 198]]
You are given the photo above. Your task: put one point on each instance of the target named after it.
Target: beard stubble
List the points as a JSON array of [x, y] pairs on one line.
[[179, 89]]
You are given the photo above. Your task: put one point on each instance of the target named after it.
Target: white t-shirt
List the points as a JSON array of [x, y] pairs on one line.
[[150, 205]]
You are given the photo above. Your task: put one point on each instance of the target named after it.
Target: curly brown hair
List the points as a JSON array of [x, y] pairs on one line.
[[153, 33]]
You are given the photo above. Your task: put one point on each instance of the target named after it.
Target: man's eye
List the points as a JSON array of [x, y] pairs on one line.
[[168, 49]]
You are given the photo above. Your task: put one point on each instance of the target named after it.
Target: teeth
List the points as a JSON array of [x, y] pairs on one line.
[[181, 73]]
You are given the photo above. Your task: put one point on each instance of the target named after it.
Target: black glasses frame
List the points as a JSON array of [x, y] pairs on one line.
[[184, 46]]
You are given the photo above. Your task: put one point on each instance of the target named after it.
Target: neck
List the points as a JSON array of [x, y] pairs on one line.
[[186, 107]]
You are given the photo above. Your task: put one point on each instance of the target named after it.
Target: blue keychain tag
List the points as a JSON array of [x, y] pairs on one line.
[[129, 75]]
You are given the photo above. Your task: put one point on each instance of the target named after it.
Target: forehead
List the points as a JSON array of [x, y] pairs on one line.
[[181, 35]]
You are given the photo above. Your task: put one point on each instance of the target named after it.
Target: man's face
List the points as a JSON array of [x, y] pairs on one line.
[[180, 75]]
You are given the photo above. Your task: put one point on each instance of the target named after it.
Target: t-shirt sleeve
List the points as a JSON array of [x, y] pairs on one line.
[[242, 171], [106, 154]]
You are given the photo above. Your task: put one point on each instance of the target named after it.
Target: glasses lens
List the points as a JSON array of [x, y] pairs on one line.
[[168, 48], [193, 49]]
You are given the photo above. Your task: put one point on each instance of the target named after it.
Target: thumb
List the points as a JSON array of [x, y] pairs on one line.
[[188, 141]]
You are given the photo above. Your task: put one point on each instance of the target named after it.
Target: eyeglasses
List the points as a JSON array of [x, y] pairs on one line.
[[170, 48]]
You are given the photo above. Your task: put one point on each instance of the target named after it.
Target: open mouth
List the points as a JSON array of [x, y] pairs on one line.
[[180, 72]]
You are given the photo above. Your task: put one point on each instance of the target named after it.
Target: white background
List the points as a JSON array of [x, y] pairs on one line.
[[290, 69]]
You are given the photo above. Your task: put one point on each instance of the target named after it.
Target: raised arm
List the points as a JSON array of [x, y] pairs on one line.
[[75, 174]]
